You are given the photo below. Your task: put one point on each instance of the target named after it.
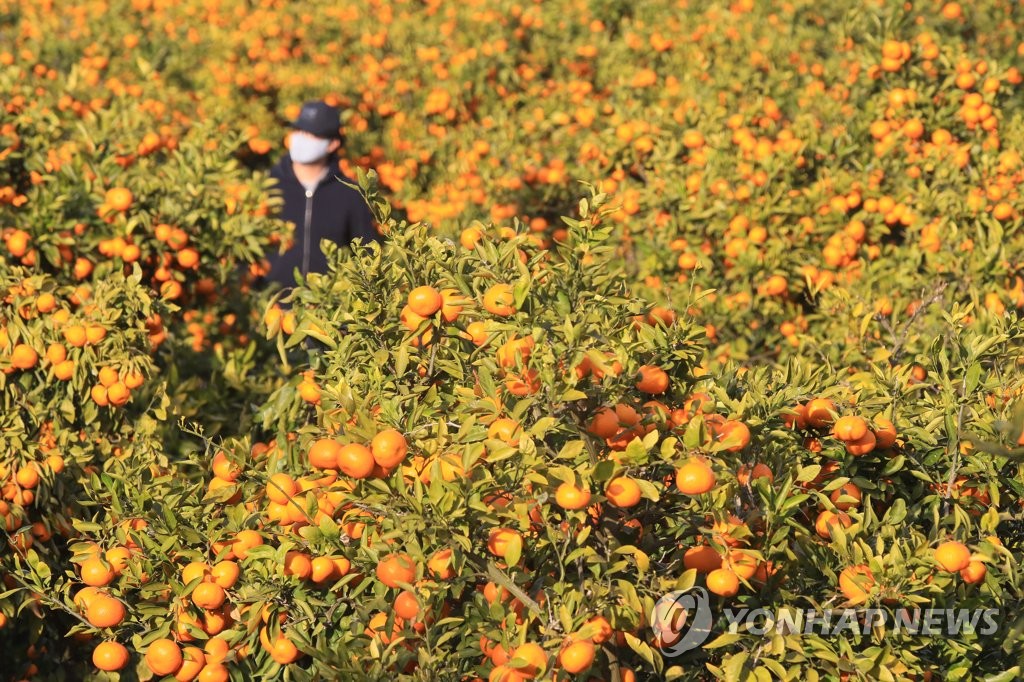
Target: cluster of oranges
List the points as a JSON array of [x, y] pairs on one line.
[[859, 437], [857, 582], [117, 567], [75, 326], [19, 494]]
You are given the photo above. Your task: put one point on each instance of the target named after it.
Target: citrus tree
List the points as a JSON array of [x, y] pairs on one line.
[[457, 482], [771, 354]]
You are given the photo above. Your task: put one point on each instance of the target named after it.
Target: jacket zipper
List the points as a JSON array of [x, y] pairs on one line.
[[305, 232]]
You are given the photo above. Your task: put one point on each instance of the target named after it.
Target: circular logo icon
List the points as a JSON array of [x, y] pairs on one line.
[[681, 621]]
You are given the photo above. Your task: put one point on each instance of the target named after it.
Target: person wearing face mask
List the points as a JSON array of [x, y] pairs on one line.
[[315, 198]]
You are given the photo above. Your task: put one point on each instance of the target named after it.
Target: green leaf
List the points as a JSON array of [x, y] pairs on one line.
[[571, 450], [572, 395], [808, 473], [643, 562], [734, 667], [542, 426], [694, 433], [648, 490], [401, 359], [604, 470], [687, 580], [641, 648], [895, 464], [724, 639], [584, 534], [775, 667], [896, 513]]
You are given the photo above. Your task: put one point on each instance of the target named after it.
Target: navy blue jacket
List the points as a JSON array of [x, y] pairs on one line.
[[333, 211]]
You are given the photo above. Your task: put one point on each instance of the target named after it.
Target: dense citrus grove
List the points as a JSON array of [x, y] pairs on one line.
[[671, 295]]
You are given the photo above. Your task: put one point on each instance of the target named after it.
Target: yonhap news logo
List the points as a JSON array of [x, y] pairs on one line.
[[682, 620]]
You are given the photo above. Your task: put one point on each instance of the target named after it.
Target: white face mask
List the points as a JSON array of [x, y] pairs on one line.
[[308, 149]]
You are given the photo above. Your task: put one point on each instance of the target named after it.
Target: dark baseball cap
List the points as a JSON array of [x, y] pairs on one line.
[[320, 119]]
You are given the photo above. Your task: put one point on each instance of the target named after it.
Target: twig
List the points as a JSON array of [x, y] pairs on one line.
[[54, 603], [956, 451], [433, 354], [898, 343]]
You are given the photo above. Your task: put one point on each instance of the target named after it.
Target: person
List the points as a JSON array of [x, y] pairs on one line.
[[315, 197]]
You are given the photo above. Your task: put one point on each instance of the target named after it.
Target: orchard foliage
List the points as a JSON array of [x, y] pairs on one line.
[[670, 295]]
